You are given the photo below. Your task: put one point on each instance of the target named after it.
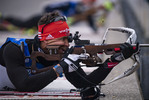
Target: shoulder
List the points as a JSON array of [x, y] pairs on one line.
[[11, 48], [12, 54]]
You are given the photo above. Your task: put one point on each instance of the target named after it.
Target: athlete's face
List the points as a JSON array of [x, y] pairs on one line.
[[60, 43]]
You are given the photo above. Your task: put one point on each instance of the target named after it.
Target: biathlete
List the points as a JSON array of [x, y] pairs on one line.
[[52, 30]]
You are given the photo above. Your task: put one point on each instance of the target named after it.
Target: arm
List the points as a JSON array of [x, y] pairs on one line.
[[14, 61]]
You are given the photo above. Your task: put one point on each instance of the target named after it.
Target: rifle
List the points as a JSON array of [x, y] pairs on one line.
[[92, 50]]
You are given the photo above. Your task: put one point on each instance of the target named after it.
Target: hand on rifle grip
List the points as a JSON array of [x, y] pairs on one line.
[[70, 62], [127, 51]]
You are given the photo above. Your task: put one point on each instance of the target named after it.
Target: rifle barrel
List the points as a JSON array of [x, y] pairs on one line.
[[141, 45]]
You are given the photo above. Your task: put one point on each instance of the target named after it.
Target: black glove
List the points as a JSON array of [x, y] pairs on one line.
[[126, 51], [70, 62]]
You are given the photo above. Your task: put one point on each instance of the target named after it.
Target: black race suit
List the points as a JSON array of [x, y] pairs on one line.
[[12, 58]]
